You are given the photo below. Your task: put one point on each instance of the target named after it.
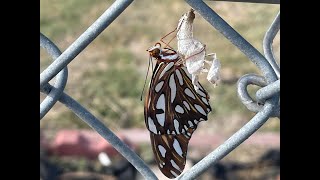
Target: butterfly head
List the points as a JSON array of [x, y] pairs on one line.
[[155, 50]]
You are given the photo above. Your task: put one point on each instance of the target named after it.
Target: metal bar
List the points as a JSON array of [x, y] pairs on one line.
[[243, 94], [235, 140], [267, 44], [252, 1], [61, 79], [268, 91], [261, 117], [105, 132], [84, 40], [245, 98], [234, 37]]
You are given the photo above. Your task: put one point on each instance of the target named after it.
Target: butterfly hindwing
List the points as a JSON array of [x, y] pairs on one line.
[[170, 152]]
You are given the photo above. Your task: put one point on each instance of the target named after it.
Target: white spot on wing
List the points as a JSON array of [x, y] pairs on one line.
[[200, 109], [159, 86], [185, 127], [161, 103], [186, 105], [162, 150], [205, 100], [173, 173], [190, 124], [179, 109], [201, 93], [177, 147], [176, 125], [196, 121], [179, 77], [160, 118], [169, 66], [175, 165], [189, 93], [173, 87], [169, 57], [151, 125], [161, 166]]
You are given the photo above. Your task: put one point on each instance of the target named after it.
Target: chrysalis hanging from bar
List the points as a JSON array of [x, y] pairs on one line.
[[194, 52]]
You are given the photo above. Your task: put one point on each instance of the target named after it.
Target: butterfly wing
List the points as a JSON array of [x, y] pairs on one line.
[[173, 110], [170, 153], [172, 105]]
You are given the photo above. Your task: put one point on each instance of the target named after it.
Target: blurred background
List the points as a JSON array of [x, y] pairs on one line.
[[107, 78]]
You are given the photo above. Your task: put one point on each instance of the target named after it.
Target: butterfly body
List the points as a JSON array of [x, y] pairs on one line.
[[172, 110]]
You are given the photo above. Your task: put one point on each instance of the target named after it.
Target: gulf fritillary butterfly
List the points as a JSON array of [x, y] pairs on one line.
[[172, 110]]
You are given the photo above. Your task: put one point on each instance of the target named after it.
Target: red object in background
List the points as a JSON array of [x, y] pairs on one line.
[[85, 143], [89, 143]]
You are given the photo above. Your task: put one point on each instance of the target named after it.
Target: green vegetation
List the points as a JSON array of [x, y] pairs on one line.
[[108, 76]]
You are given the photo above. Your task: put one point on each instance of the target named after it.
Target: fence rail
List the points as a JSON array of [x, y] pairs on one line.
[[266, 106]]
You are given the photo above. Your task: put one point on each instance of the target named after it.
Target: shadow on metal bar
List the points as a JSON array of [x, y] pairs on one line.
[[268, 96]]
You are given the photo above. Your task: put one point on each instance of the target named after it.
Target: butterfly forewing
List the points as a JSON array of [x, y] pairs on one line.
[[172, 105]]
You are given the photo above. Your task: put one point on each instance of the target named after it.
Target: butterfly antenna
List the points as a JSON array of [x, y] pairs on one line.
[[167, 44], [150, 59]]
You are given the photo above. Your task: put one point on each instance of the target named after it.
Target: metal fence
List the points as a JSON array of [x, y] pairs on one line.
[[266, 106]]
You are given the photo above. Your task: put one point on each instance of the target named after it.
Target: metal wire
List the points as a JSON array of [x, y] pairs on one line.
[[234, 37], [243, 82], [267, 44], [84, 40], [261, 117], [266, 105], [234, 141], [105, 132], [61, 78], [268, 91]]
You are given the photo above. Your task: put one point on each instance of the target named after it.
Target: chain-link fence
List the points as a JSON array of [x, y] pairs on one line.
[[266, 105]]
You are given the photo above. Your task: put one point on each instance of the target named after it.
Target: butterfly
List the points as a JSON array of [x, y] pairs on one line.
[[172, 110]]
